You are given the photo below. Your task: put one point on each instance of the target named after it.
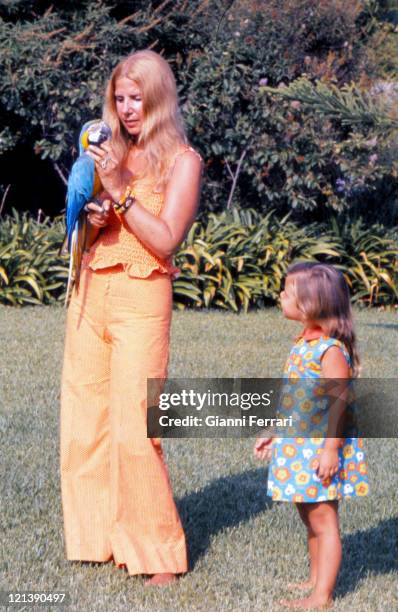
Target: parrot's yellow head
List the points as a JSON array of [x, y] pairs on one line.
[[84, 140]]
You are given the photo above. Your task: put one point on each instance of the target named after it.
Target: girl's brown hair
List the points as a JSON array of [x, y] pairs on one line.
[[322, 295], [162, 132]]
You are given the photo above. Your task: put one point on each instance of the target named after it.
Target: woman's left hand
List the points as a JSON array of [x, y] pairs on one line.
[[98, 215], [108, 168]]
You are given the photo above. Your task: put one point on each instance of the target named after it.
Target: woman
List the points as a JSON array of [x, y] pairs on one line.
[[116, 494]]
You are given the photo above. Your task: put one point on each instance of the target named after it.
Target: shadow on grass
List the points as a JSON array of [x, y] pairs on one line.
[[231, 500], [372, 550], [223, 503]]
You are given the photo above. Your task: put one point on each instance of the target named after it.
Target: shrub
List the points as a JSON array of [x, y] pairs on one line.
[[238, 260], [31, 270], [235, 261], [259, 152]]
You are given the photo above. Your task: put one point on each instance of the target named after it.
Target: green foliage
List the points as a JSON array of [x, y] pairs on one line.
[[370, 260], [360, 132], [239, 260], [349, 105], [322, 38], [31, 269], [235, 261], [383, 51], [259, 152], [64, 77], [45, 100], [282, 154], [271, 153]]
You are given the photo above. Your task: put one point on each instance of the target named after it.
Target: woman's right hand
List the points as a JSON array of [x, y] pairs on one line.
[[108, 169], [98, 215], [263, 448]]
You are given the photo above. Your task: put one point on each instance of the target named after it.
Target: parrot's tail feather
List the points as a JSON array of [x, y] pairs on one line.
[[71, 268], [80, 246], [64, 246]]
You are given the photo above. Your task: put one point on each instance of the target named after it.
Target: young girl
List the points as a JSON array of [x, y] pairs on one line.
[[314, 471]]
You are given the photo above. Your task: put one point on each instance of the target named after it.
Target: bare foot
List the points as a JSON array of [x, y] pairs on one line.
[[160, 580], [307, 603], [307, 585]]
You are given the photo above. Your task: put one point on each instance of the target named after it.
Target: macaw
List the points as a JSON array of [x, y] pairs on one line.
[[83, 185]]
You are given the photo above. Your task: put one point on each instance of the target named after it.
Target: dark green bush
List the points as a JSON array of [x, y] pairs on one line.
[[259, 152]]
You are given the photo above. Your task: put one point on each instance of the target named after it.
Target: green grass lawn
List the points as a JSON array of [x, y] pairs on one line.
[[243, 549]]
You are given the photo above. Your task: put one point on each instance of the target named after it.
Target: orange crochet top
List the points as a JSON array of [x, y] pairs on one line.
[[117, 243]]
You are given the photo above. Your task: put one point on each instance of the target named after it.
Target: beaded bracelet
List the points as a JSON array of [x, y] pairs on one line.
[[125, 202]]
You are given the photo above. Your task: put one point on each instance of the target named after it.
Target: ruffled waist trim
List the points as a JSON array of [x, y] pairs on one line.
[[134, 269]]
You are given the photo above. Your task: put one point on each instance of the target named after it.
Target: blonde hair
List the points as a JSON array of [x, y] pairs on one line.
[[322, 295], [162, 130]]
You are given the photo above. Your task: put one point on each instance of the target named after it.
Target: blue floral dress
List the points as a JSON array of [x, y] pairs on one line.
[[292, 472]]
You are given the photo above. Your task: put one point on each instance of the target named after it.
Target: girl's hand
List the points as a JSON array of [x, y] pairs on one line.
[[328, 464], [98, 215], [107, 168], [263, 449]]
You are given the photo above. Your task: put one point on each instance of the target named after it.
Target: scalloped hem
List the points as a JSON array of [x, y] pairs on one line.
[[135, 270]]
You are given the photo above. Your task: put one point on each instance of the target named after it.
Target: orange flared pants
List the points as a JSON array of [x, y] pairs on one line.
[[116, 495]]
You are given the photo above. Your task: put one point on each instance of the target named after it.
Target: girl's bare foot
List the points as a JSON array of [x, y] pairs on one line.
[[307, 585], [160, 580], [313, 601]]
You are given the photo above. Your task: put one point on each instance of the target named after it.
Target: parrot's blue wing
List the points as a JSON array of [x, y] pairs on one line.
[[80, 190]]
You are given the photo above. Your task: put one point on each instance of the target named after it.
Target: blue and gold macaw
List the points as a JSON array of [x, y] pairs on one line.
[[83, 185]]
